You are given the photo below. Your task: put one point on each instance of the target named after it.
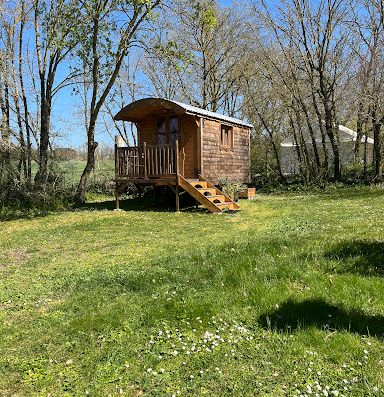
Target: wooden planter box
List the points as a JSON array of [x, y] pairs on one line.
[[248, 193]]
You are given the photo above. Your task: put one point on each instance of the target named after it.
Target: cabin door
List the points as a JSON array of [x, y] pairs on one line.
[[168, 131]]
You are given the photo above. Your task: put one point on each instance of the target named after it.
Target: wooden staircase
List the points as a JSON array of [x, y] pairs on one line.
[[207, 194]]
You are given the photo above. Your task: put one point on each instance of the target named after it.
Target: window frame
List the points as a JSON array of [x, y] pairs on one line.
[[177, 135], [228, 146], [167, 119]]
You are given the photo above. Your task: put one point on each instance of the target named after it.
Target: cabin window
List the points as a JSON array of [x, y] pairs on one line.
[[167, 129], [161, 131], [173, 128], [226, 137]]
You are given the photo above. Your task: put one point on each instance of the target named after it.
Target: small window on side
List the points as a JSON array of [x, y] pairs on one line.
[[226, 137]]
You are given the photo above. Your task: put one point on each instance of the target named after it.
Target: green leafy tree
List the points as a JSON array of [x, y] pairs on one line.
[[55, 24], [115, 27]]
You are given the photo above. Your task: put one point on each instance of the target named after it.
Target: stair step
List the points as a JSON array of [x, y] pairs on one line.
[[220, 198], [228, 204], [199, 184], [210, 190]]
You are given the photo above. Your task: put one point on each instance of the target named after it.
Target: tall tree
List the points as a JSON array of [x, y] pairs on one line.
[[55, 22], [5, 54], [115, 27], [311, 36], [197, 53], [371, 29]]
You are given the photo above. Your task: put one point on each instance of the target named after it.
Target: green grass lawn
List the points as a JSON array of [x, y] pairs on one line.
[[285, 298]]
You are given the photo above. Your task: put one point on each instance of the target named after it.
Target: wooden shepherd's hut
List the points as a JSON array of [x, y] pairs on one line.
[[186, 148]]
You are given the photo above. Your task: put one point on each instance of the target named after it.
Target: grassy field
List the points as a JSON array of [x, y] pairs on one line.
[[285, 298], [73, 169]]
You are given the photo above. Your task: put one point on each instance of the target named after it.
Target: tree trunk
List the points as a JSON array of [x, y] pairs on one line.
[[5, 159], [274, 146], [92, 145], [330, 130], [377, 157], [365, 153], [313, 138], [336, 152], [359, 131], [45, 116], [325, 164], [22, 160], [28, 151], [297, 144], [42, 174], [307, 169]]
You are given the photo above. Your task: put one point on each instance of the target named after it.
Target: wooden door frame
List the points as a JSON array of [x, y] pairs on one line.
[[180, 139]]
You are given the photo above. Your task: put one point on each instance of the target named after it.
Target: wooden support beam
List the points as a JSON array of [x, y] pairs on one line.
[[177, 177], [116, 174], [177, 189], [117, 203]]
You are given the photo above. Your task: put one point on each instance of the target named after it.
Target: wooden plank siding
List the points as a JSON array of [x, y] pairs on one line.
[[147, 130], [232, 165], [210, 161], [189, 125]]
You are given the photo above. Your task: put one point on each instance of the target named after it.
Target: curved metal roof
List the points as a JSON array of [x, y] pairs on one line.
[[139, 109]]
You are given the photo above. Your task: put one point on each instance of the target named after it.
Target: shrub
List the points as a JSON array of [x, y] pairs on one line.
[[355, 174], [18, 194], [231, 189]]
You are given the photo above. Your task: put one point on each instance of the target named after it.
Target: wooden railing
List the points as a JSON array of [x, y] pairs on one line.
[[146, 161]]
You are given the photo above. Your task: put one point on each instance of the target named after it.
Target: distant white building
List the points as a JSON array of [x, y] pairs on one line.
[[290, 163]]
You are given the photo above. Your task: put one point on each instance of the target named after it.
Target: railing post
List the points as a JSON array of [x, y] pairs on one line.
[[145, 159], [116, 162], [177, 176], [118, 143], [177, 158]]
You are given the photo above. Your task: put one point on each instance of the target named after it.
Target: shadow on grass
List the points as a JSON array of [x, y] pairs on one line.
[[360, 256], [294, 316], [131, 204], [15, 215], [165, 203]]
